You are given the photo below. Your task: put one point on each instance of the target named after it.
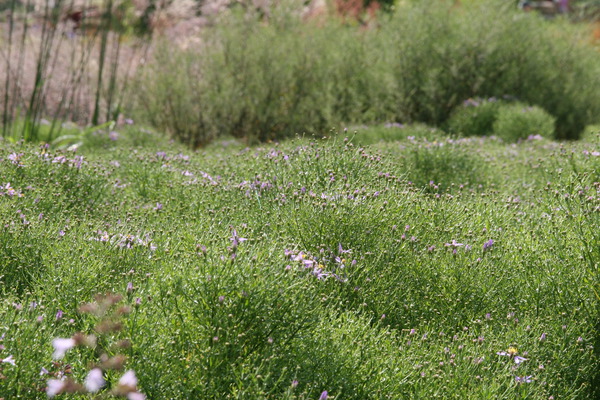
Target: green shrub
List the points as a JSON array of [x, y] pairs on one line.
[[475, 117], [519, 121], [259, 81], [392, 132]]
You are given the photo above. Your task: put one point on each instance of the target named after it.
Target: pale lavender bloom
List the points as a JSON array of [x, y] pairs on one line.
[[519, 359], [94, 380], [61, 346], [44, 371], [523, 379], [59, 314], [129, 287], [9, 360], [158, 207], [113, 135], [342, 251], [78, 160], [543, 337], [454, 244], [129, 380], [54, 387], [59, 160], [294, 383], [323, 395], [135, 396]]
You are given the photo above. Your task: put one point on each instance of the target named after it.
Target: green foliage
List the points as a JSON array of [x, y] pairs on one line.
[[519, 121], [287, 270], [392, 132], [263, 81], [475, 117]]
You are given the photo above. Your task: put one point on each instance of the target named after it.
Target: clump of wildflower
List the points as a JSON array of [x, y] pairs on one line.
[[524, 379], [328, 264], [9, 191], [109, 312]]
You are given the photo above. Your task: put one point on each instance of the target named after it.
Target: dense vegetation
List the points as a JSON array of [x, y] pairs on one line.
[[258, 80], [421, 267], [444, 245]]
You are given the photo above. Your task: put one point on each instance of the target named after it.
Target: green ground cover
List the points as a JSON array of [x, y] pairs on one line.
[[420, 266]]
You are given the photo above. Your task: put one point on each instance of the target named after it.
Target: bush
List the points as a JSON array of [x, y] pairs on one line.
[[474, 117], [518, 121], [264, 81]]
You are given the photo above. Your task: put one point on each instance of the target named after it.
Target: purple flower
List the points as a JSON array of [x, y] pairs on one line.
[[519, 359], [323, 395], [488, 245], [59, 314], [294, 383]]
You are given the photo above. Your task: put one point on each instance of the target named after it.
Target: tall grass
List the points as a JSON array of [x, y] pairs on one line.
[[49, 62]]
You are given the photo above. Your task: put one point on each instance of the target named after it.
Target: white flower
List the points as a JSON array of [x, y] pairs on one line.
[[9, 360], [135, 396], [61, 346], [128, 379], [55, 386], [94, 380]]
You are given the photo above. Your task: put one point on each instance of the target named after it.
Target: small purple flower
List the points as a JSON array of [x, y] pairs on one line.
[[59, 314], [488, 245], [129, 287], [323, 395], [294, 383], [543, 337]]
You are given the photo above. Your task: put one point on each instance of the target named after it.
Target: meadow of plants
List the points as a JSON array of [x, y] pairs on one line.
[[226, 243]]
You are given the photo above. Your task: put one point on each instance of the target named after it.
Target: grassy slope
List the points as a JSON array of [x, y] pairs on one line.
[[405, 317]]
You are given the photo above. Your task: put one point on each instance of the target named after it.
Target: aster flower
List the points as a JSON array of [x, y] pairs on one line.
[[10, 360], [94, 381], [61, 346], [523, 379], [454, 244], [54, 387], [512, 353]]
